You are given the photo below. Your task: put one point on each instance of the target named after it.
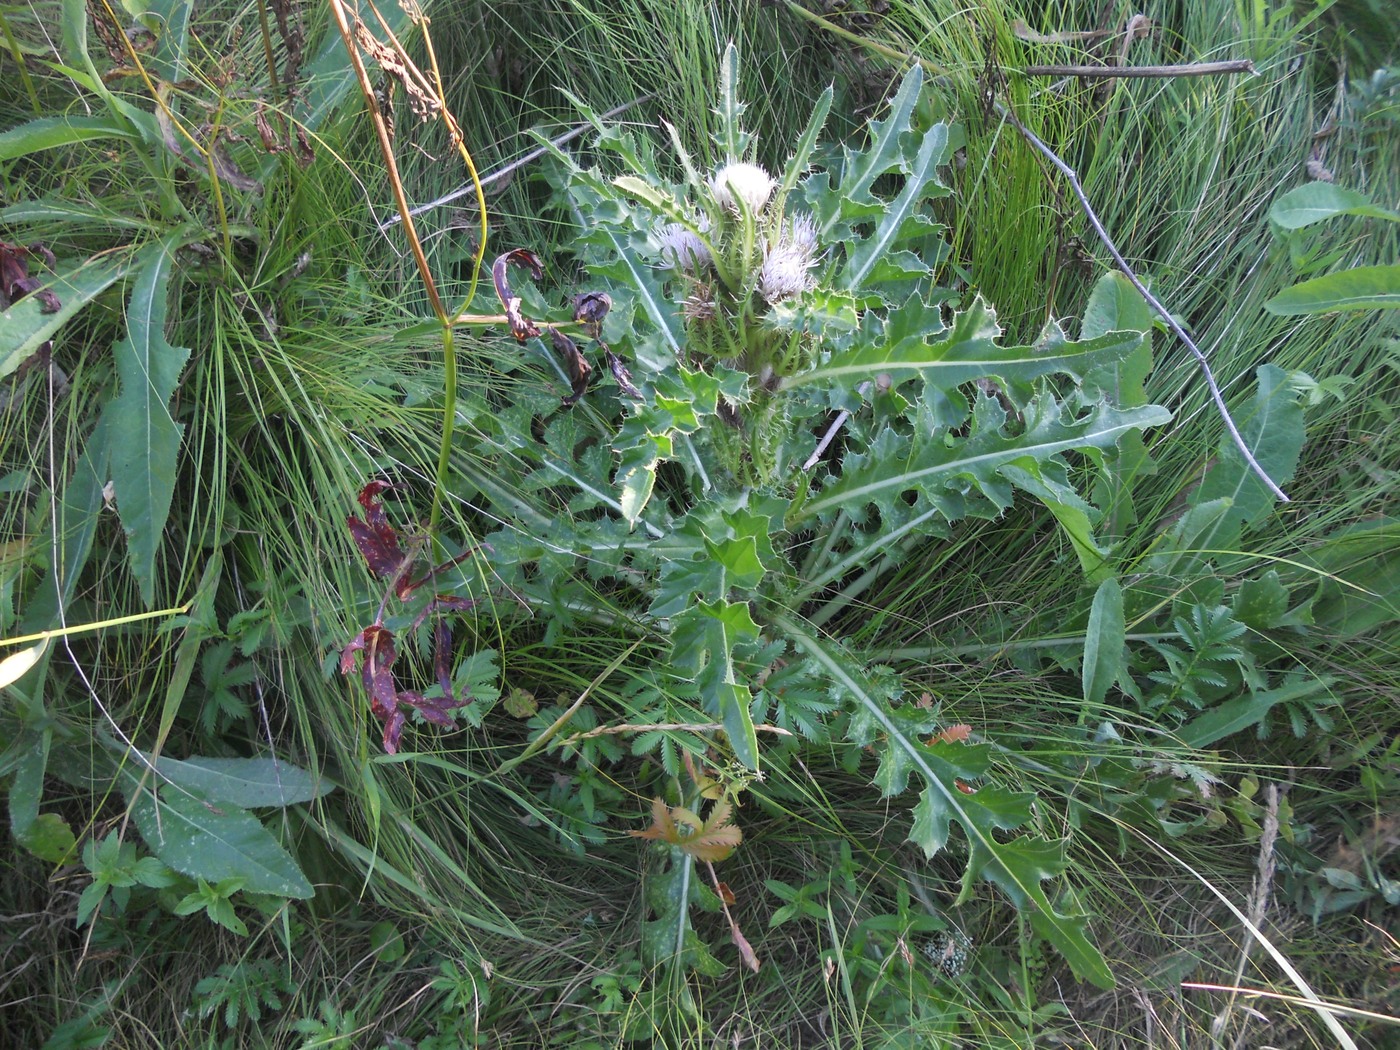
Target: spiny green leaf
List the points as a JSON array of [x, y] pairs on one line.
[[915, 343], [1048, 482], [963, 475], [1017, 867], [704, 640]]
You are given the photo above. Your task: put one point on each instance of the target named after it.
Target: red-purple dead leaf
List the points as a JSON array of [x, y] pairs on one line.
[[577, 366], [376, 539], [15, 282], [520, 326], [442, 656], [435, 710], [393, 729], [620, 373], [377, 644]]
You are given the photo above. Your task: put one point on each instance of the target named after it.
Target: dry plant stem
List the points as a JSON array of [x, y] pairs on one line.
[[1258, 905], [1186, 69], [1296, 1000], [386, 150], [1152, 300], [515, 165], [831, 431], [662, 727]]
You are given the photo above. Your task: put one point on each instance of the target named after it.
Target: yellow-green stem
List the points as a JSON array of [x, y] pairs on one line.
[[449, 418]]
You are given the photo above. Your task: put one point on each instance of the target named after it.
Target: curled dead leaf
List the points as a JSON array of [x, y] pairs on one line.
[[520, 326], [620, 373], [574, 363]]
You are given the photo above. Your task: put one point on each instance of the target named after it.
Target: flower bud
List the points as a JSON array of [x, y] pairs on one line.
[[741, 181]]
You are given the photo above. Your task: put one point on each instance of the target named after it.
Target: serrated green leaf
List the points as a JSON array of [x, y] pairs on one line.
[[899, 222], [923, 463], [886, 152], [915, 343], [703, 639], [216, 843], [145, 439], [1018, 867], [1049, 483]]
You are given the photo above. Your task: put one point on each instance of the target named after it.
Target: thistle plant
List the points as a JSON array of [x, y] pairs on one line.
[[796, 404]]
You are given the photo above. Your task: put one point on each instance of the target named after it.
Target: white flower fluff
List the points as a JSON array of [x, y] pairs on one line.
[[682, 249], [742, 181], [786, 265]]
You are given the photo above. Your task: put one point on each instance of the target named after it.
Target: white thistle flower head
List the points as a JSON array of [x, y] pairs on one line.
[[787, 264], [682, 249], [742, 181]]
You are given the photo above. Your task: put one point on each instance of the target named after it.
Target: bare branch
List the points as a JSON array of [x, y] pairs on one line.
[[1187, 69], [1152, 300], [519, 162]]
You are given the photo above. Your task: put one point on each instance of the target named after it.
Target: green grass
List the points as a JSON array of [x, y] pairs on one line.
[[308, 379]]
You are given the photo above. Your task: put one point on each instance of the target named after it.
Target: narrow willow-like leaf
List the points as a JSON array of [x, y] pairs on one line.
[[1272, 425], [1360, 288], [51, 132], [27, 327], [216, 843], [1318, 201], [56, 210], [1105, 653], [145, 439], [245, 782]]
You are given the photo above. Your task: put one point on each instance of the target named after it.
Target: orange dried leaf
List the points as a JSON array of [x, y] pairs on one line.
[[957, 734]]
